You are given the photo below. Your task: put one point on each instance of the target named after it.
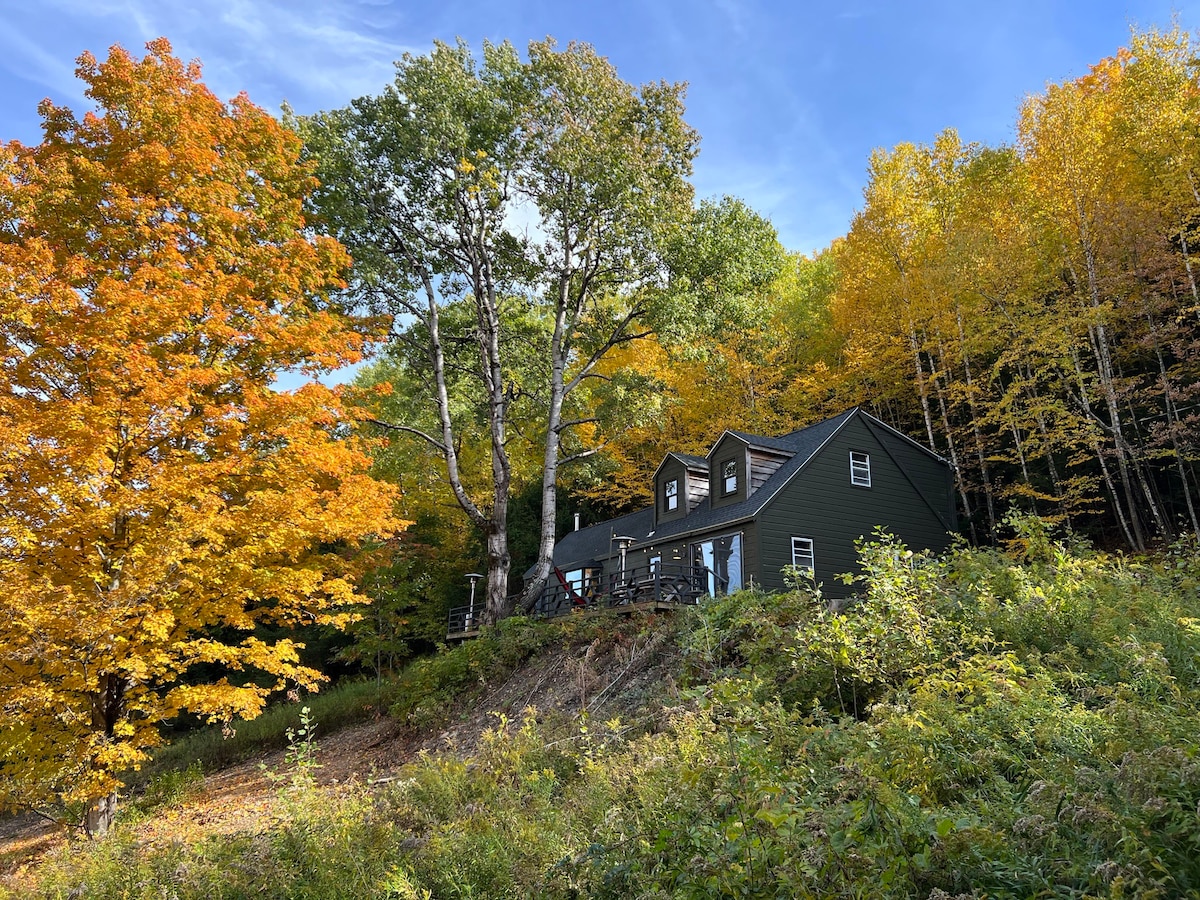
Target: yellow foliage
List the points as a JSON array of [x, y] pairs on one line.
[[158, 499]]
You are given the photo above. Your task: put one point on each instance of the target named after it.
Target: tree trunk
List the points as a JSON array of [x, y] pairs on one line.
[[1098, 334], [493, 522], [922, 390], [959, 480], [1173, 430], [1133, 535], [108, 708], [101, 813], [496, 604], [559, 351], [1016, 433], [985, 475]]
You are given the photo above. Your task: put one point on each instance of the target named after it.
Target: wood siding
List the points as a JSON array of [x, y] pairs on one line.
[[697, 487], [676, 550], [931, 477], [671, 468], [762, 467], [820, 503]]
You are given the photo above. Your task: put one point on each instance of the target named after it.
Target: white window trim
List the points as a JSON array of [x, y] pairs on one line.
[[799, 550], [671, 501], [726, 491], [860, 469]]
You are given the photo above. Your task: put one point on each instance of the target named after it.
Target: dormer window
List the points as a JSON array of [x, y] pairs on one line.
[[860, 468], [671, 495], [728, 477]]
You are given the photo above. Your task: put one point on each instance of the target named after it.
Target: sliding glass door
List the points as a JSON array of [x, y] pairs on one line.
[[721, 559]]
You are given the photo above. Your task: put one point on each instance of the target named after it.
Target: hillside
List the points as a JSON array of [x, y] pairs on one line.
[[984, 725], [623, 674]]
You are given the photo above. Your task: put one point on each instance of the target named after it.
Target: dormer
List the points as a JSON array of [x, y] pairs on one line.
[[680, 483], [728, 462], [740, 464]]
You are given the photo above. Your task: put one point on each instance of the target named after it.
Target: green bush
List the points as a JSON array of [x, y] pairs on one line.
[[424, 692]]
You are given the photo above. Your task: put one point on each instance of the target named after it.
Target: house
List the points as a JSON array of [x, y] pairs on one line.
[[751, 507]]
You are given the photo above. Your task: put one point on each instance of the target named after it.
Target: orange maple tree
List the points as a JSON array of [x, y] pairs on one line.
[[158, 499]]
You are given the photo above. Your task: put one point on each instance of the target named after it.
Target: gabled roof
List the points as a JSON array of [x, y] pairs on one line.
[[689, 460], [758, 442], [800, 446]]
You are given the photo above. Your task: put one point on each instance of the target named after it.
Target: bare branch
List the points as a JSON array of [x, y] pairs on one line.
[[563, 426], [390, 426], [582, 454], [616, 338]]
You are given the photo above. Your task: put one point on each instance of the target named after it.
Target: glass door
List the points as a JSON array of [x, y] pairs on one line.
[[721, 561]]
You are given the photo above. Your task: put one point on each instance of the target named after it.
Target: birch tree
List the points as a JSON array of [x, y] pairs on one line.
[[547, 181]]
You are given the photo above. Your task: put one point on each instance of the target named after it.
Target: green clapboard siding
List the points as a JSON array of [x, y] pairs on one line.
[[671, 468], [676, 550], [821, 503]]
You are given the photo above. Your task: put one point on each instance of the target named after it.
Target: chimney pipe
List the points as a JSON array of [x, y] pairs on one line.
[[577, 521]]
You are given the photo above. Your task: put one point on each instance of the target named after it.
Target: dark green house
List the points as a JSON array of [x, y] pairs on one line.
[[753, 505]]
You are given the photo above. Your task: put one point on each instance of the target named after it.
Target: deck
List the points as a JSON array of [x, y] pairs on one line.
[[661, 587]]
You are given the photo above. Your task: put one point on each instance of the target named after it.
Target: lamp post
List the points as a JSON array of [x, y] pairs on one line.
[[470, 623]]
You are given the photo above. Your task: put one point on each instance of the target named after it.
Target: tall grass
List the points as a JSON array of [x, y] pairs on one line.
[[979, 725], [344, 704]]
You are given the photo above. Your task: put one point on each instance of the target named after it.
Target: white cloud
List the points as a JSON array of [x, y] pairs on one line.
[[315, 54], [30, 59]]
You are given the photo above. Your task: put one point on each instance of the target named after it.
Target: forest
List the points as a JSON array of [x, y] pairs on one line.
[[1029, 312], [512, 244]]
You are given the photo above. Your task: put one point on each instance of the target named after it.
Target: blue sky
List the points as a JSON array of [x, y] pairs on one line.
[[789, 97]]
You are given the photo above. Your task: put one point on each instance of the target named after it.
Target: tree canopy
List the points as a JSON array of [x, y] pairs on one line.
[[158, 499], [476, 194]]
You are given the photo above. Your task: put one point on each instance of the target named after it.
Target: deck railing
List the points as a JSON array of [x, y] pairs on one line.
[[668, 584]]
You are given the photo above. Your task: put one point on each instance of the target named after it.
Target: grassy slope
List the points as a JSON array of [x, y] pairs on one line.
[[976, 726]]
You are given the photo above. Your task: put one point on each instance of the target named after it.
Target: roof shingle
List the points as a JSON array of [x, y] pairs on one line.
[[595, 542]]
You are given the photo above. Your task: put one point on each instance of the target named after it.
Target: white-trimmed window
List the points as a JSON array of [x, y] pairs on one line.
[[802, 554], [860, 468], [671, 495], [728, 477]]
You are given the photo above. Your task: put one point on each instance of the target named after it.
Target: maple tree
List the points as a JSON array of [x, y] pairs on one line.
[[158, 499]]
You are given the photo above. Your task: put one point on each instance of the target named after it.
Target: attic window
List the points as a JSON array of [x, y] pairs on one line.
[[860, 468], [671, 495], [728, 477]]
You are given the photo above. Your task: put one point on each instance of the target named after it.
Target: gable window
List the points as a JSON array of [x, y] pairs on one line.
[[860, 468], [802, 554], [671, 495], [728, 477]]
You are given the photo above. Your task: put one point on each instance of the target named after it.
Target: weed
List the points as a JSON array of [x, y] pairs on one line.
[[173, 787]]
